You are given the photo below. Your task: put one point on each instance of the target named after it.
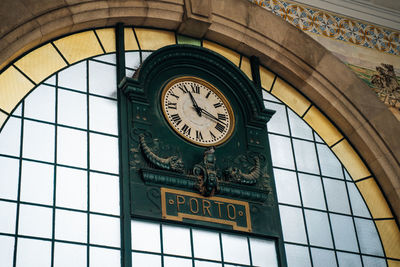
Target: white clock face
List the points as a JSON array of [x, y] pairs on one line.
[[197, 111]]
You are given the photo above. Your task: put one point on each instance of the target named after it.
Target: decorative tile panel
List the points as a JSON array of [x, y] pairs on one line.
[[334, 26]]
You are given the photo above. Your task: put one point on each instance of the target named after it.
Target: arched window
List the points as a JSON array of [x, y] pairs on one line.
[[60, 182]]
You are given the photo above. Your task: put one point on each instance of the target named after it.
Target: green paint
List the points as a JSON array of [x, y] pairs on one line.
[[242, 164], [181, 39]]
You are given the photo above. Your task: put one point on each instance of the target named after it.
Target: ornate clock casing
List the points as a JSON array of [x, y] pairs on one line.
[[198, 144]]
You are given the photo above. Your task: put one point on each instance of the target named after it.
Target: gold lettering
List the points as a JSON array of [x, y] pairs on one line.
[[219, 207], [234, 211], [179, 200], [206, 207], [191, 206]]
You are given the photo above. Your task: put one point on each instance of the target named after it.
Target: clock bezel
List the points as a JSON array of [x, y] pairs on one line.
[[210, 87]]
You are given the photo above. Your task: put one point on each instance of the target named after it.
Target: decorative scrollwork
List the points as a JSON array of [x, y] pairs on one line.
[[235, 175], [172, 163]]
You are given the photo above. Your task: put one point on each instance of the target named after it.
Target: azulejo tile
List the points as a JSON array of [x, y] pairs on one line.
[[334, 26]]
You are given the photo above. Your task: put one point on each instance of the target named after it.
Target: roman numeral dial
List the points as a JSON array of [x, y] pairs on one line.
[[197, 111]]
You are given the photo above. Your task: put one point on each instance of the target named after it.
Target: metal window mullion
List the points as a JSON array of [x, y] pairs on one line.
[[55, 172], [87, 166], [161, 245], [221, 248], [19, 184], [352, 218], [298, 185], [326, 202], [191, 245]]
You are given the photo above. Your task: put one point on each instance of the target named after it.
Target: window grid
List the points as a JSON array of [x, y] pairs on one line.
[[222, 262], [52, 242], [142, 54], [268, 98]]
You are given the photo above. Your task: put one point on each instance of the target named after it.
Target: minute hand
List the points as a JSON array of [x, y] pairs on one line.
[[205, 112], [196, 107]]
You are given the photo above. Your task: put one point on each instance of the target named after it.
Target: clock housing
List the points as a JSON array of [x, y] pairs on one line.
[[169, 168]]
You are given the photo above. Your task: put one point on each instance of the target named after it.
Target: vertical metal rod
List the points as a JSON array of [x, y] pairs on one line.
[[126, 250]]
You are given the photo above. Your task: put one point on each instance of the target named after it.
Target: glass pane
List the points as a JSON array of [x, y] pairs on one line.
[[330, 165], [35, 221], [263, 252], [18, 110], [72, 109], [368, 237], [373, 262], [235, 249], [129, 73], [348, 260], [298, 127], [32, 253], [343, 232], [306, 158], [103, 115], [100, 257], [287, 187], [311, 191], [278, 123], [73, 77], [71, 188], [317, 138], [67, 255], [336, 196], [7, 250], [297, 256], [110, 58], [176, 240], [51, 80], [145, 236], [104, 193], [40, 104], [268, 96], [71, 226], [357, 203], [104, 153], [318, 228], [292, 224], [347, 175], [141, 259], [71, 147], [281, 151], [145, 55], [9, 172], [38, 141], [111, 237], [102, 79], [207, 264], [10, 137], [323, 258], [132, 60], [37, 182], [206, 245], [174, 262], [8, 213]]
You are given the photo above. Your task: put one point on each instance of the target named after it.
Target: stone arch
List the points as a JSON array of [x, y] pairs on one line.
[[250, 30]]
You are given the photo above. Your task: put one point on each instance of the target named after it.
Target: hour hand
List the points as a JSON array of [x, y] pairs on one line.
[[208, 114], [196, 107]]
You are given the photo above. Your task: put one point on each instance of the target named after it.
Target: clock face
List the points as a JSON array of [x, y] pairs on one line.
[[197, 111]]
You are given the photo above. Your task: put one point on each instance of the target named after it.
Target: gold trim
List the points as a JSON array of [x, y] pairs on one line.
[[181, 215], [212, 88]]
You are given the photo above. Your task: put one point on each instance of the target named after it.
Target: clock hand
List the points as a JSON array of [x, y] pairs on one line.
[[196, 107], [205, 112]]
